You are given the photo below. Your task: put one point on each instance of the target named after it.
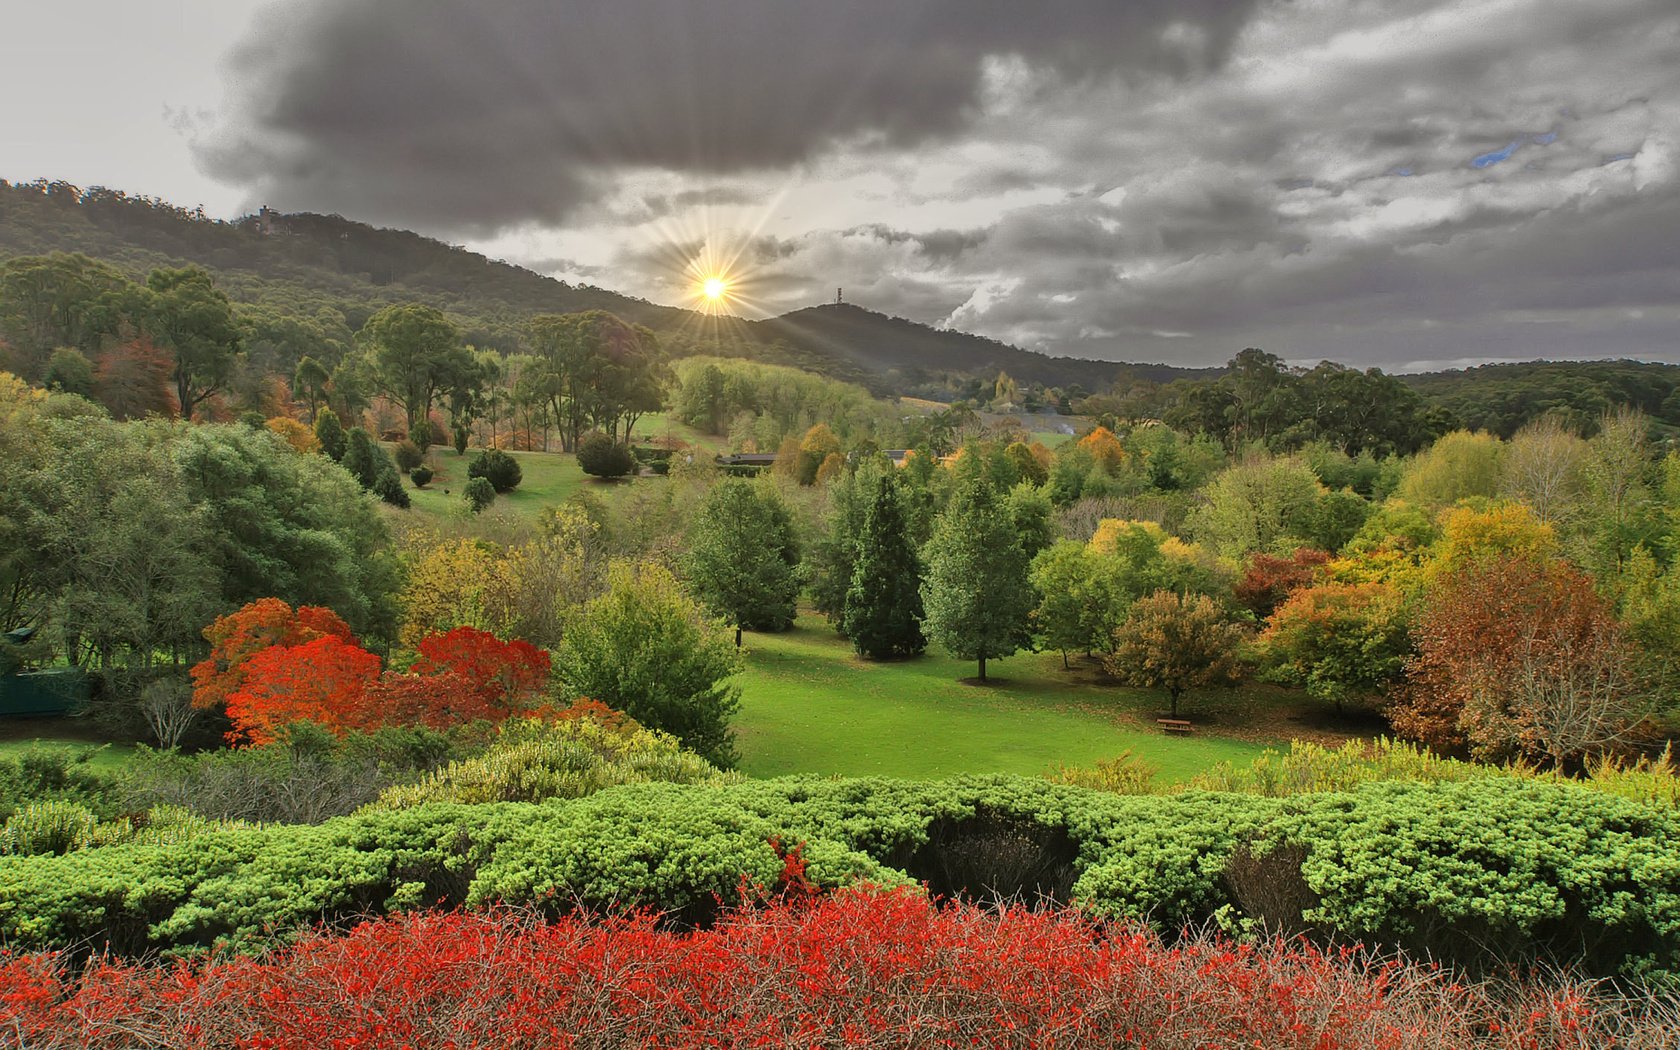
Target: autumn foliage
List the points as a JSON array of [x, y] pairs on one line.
[[1519, 657], [237, 637], [863, 969], [271, 666], [499, 674], [1270, 580], [326, 680]]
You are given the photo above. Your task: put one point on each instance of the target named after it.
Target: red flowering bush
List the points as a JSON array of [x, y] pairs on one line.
[[857, 970]]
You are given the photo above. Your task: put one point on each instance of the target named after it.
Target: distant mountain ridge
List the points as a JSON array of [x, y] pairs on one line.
[[273, 256]]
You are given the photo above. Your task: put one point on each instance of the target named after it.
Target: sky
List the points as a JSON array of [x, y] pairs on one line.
[[1403, 183]]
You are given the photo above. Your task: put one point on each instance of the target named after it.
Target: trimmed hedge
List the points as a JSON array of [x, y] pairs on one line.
[[1480, 873]]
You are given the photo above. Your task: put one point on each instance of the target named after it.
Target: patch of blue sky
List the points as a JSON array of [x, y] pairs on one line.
[[1487, 160]]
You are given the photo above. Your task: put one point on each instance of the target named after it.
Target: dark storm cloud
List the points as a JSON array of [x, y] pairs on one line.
[[481, 115]]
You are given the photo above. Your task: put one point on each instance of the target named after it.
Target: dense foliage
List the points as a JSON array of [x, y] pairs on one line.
[[1479, 872], [866, 970]]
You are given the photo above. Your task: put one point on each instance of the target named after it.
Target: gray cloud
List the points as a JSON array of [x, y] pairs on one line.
[[1384, 183], [481, 115]]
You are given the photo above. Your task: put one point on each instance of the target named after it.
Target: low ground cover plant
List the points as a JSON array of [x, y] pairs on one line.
[[862, 969]]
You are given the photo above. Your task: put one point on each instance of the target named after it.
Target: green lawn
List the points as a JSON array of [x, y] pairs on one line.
[[657, 427], [809, 706], [548, 479], [109, 757]]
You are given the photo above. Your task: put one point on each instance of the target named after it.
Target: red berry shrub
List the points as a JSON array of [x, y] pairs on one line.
[[856, 970]]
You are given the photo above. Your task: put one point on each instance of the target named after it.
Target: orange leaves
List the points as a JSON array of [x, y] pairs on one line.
[[272, 666], [238, 636], [506, 674], [326, 680], [1105, 449]]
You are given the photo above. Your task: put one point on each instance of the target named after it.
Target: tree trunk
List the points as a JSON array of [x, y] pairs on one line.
[[737, 636], [982, 667], [1175, 693], [1065, 665]]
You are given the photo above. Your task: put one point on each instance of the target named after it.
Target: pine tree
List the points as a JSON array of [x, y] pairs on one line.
[[976, 593], [883, 610], [330, 433], [362, 458]]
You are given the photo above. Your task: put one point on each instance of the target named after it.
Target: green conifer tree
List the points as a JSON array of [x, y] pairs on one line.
[[883, 610], [330, 433], [976, 594]]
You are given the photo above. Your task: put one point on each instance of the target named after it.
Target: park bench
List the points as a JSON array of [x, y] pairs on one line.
[[1175, 725]]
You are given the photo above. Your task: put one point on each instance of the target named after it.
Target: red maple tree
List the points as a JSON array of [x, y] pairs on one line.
[[237, 637], [504, 677], [327, 680]]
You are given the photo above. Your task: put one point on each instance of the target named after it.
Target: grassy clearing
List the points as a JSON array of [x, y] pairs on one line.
[[549, 478], [657, 428], [108, 757], [808, 705]]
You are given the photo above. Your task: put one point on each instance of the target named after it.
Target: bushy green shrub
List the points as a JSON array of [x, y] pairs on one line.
[[1482, 872], [479, 494], [408, 455], [534, 760], [421, 476], [497, 467], [600, 456], [43, 774], [389, 487]]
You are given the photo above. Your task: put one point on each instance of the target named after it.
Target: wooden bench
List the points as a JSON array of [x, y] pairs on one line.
[[1175, 725]]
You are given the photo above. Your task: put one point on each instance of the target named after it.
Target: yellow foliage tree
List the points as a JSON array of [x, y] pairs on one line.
[[457, 583], [297, 435], [1105, 449]]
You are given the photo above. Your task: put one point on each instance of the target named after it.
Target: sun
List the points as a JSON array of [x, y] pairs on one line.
[[715, 289]]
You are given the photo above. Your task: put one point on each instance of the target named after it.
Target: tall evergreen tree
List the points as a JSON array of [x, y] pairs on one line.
[[976, 593], [883, 611], [742, 557], [330, 433]]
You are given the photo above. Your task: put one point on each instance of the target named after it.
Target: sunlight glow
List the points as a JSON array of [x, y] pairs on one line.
[[714, 288]]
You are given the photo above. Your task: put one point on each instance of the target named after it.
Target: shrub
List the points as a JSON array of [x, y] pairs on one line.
[[408, 455], [867, 970], [389, 487], [602, 457], [43, 774], [479, 494], [533, 760], [307, 776], [330, 433], [1487, 873], [421, 476], [497, 467]]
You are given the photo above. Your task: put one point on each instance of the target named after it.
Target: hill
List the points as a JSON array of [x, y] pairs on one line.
[[304, 261], [887, 345]]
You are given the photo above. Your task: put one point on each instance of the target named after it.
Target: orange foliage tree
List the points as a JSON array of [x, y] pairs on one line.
[[1105, 449], [502, 677], [327, 680], [237, 637], [1519, 657]]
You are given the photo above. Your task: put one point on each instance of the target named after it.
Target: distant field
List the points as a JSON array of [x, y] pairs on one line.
[[549, 478], [809, 706], [107, 756]]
